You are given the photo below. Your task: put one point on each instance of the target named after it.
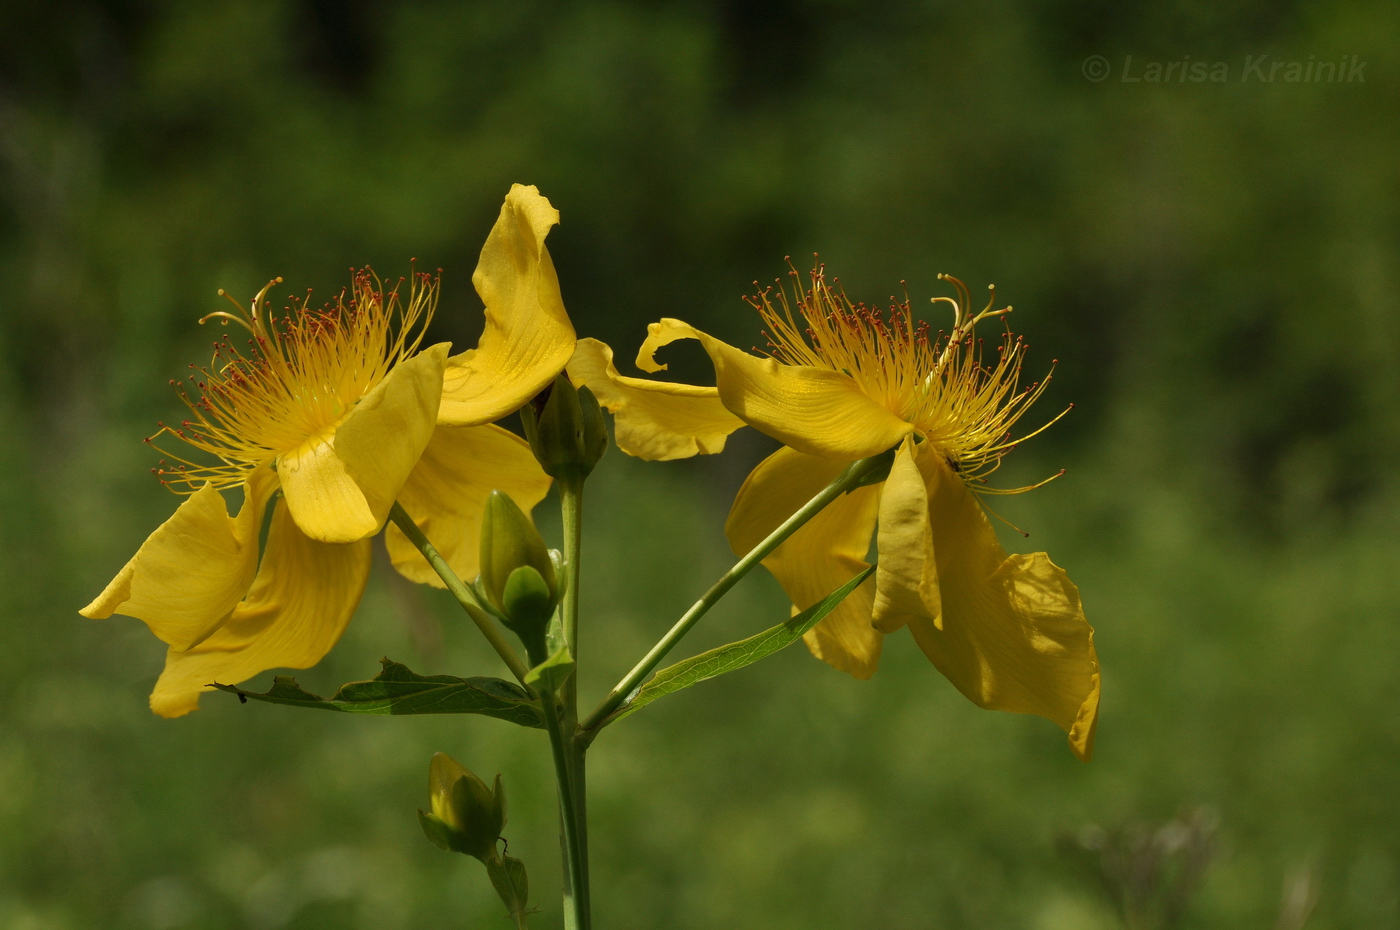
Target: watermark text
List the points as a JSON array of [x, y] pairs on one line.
[[1261, 69]]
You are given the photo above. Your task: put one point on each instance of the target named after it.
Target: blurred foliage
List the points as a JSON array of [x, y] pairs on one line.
[[1214, 264]]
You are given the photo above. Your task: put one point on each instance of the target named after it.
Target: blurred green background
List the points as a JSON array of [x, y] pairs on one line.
[[1214, 265]]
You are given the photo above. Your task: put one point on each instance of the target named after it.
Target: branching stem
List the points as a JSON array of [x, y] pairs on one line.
[[462, 593], [855, 475]]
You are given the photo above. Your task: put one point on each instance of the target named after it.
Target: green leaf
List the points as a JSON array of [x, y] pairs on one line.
[[552, 672], [735, 656], [512, 885], [397, 691]]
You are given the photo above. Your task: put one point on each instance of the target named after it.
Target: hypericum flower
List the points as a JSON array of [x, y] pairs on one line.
[[338, 410], [841, 382]]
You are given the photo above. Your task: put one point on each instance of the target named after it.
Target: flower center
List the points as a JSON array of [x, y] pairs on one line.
[[299, 377], [943, 383]]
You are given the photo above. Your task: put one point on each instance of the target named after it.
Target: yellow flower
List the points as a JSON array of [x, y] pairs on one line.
[[842, 382], [339, 410]]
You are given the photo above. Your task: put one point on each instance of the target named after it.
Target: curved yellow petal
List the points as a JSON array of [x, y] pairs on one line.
[[818, 558], [189, 574], [340, 486], [300, 603], [1013, 636], [653, 420], [446, 493], [381, 440], [906, 580], [814, 410], [528, 336], [320, 493]]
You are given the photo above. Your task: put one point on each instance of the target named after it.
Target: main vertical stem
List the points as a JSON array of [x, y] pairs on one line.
[[569, 748], [560, 727]]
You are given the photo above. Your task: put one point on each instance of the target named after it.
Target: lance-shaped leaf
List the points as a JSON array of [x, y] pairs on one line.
[[735, 656], [397, 691]]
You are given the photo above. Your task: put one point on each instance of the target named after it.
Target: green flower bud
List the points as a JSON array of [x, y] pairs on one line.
[[518, 576], [595, 428], [566, 430], [467, 817], [527, 599]]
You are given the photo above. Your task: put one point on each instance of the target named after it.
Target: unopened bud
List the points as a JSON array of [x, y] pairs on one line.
[[566, 430], [517, 572], [467, 817]]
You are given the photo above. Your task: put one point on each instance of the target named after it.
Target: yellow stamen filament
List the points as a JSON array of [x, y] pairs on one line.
[[301, 375], [942, 384]]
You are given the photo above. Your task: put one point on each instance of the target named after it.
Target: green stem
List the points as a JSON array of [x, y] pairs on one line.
[[570, 750], [854, 475], [577, 748], [461, 592], [576, 909], [571, 505]]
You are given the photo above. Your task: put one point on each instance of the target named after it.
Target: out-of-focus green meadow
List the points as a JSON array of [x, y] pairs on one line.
[[1214, 265]]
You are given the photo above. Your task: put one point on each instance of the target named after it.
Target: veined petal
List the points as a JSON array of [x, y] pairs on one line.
[[189, 574], [1014, 636], [300, 602], [340, 486], [814, 410], [381, 440], [906, 580], [654, 420], [817, 559], [528, 336], [446, 494]]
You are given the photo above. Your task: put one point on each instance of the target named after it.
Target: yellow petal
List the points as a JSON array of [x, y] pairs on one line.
[[814, 410], [381, 440], [300, 602], [446, 493], [321, 494], [654, 420], [528, 336], [906, 581], [1014, 636], [189, 574], [818, 558], [340, 486]]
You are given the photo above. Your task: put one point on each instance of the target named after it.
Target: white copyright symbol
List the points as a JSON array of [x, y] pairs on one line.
[[1095, 68]]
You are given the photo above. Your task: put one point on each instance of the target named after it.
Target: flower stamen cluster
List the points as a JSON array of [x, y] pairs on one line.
[[300, 376], [943, 383]]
